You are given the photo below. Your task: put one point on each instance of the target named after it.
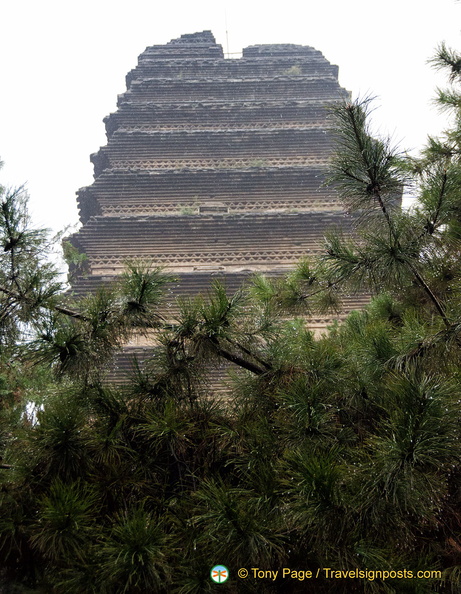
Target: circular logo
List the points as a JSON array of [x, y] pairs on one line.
[[219, 574]]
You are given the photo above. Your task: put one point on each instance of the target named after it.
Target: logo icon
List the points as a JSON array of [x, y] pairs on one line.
[[219, 574]]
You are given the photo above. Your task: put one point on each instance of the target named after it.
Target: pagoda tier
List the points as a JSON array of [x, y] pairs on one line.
[[243, 115], [267, 67], [221, 241], [213, 166], [152, 150], [251, 89], [181, 191]]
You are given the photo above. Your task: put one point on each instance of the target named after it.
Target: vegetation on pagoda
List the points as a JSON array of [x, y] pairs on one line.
[[341, 451]]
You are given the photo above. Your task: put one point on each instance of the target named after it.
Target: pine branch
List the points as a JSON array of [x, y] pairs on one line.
[[373, 161], [240, 361], [67, 312], [411, 266], [446, 58], [236, 359], [250, 353]]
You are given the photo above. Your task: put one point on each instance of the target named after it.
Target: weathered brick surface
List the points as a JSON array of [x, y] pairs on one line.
[[213, 166]]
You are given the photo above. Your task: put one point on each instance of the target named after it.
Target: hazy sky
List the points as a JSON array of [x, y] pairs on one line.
[[63, 63]]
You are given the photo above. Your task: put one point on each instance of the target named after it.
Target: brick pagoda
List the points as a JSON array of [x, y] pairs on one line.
[[214, 167]]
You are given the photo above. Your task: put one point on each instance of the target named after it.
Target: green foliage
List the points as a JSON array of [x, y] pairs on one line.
[[65, 521], [294, 70], [235, 524], [132, 557], [72, 255], [28, 281], [365, 168]]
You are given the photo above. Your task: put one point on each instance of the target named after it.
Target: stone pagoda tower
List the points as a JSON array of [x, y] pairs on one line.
[[213, 167]]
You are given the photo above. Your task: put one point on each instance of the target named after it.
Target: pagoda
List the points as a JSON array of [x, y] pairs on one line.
[[214, 167]]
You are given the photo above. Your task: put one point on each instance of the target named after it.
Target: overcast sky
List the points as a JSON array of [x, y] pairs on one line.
[[62, 64]]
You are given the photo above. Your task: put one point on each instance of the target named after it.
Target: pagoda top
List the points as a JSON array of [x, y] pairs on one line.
[[279, 50], [192, 45], [202, 45], [206, 37]]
